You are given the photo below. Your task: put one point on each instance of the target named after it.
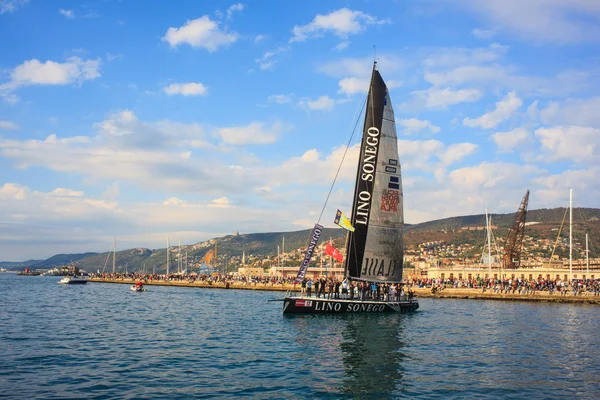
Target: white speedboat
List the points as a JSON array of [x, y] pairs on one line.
[[135, 288], [71, 280]]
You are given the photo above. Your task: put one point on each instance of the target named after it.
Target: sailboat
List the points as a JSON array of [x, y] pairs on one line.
[[375, 246]]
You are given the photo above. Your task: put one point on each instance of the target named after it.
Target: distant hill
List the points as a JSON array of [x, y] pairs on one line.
[[543, 223], [14, 265], [60, 259]]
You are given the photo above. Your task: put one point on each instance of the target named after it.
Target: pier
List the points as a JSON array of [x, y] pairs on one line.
[[449, 293]]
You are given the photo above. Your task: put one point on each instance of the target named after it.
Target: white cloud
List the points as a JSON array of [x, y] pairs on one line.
[[413, 125], [342, 23], [34, 72], [582, 112], [577, 144], [254, 133], [361, 67], [8, 6], [234, 8], [221, 202], [8, 125], [186, 89], [279, 98], [259, 38], [67, 13], [437, 98], [174, 201], [499, 77], [324, 103], [200, 32], [456, 152], [482, 33], [342, 45], [505, 109], [13, 191], [533, 112], [421, 155], [489, 175], [509, 141], [550, 21], [267, 60], [62, 192], [453, 57], [350, 86]]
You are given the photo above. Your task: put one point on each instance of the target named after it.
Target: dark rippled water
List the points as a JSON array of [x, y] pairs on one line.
[[104, 341]]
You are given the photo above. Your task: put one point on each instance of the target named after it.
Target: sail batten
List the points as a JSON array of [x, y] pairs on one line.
[[375, 250]]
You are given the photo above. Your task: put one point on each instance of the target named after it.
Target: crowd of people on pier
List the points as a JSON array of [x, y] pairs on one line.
[[514, 285]]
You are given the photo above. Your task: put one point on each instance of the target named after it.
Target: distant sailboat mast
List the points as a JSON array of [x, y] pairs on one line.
[[168, 251], [114, 253], [489, 240], [570, 234], [587, 259]]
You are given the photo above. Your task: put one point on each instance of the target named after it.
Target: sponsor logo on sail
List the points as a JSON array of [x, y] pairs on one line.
[[367, 168]]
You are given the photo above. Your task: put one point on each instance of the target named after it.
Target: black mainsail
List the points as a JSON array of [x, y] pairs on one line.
[[374, 251]]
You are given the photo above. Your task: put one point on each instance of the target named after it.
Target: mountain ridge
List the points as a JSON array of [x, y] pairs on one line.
[[259, 245]]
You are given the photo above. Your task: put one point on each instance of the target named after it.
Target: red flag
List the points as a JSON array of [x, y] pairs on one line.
[[333, 252]]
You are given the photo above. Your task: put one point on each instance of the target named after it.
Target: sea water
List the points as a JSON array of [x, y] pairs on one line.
[[105, 341]]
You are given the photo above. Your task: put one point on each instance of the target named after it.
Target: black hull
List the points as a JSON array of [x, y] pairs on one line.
[[306, 305]]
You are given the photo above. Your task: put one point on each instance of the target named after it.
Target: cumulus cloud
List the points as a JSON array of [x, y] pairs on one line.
[[413, 125], [342, 23], [324, 103], [583, 112], [577, 144], [436, 98], [35, 72], [186, 89], [200, 32], [512, 140], [253, 133], [505, 109]]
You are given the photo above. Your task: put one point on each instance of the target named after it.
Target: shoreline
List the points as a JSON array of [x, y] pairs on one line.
[[472, 294]]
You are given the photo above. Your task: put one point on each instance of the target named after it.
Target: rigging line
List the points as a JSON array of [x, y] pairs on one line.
[[342, 161], [558, 235]]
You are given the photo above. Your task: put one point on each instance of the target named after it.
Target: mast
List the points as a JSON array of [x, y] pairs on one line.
[[487, 223], [278, 260], [587, 259], [570, 235], [114, 253], [168, 251], [179, 266]]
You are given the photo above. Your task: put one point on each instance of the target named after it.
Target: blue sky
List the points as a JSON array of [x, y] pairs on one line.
[[192, 120]]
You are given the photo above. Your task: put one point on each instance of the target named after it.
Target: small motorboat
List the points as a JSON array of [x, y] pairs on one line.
[[138, 287], [72, 279]]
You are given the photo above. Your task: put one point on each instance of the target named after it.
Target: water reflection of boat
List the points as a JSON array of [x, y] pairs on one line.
[[372, 356]]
